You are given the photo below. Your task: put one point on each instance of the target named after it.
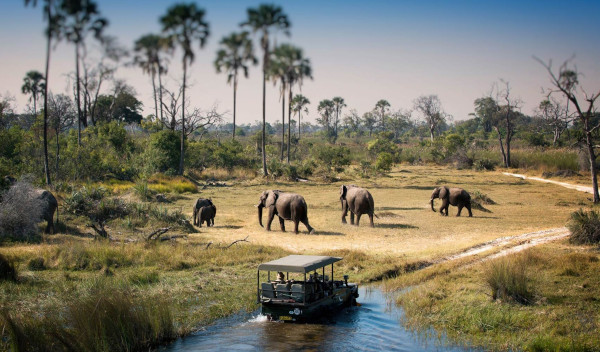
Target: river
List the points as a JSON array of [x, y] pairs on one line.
[[375, 325]]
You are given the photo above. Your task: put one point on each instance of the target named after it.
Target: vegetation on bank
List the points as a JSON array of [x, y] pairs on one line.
[[542, 299]]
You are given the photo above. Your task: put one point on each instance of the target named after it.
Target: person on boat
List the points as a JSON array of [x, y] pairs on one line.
[[280, 277]]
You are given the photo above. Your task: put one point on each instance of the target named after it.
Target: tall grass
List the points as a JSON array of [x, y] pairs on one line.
[[164, 184], [552, 159], [508, 279], [8, 269], [584, 227], [105, 320]]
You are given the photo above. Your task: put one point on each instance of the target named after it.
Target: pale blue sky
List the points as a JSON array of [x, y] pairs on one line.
[[362, 51]]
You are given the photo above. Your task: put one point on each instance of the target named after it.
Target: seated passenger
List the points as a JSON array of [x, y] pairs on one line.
[[280, 277]]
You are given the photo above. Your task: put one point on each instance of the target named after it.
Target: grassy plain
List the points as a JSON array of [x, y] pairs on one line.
[[201, 282]]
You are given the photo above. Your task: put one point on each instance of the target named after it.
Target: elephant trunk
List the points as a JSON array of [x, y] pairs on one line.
[[431, 201], [260, 209]]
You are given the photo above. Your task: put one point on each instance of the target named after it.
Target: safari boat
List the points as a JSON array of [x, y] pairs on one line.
[[305, 295]]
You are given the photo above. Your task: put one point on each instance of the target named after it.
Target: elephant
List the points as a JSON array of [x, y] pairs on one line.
[[200, 202], [207, 213], [457, 197], [359, 201], [49, 204], [287, 206]]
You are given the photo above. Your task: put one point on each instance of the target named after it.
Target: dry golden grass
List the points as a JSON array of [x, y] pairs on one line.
[[407, 228]]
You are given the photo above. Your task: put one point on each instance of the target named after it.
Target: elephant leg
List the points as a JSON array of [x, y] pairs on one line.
[[371, 219], [444, 208], [460, 206], [195, 218], [344, 211], [358, 215], [296, 223], [282, 224], [351, 218], [48, 226], [310, 229], [469, 209], [200, 221], [271, 216]]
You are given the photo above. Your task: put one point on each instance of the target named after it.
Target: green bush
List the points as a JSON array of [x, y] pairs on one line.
[[383, 145], [143, 191], [384, 162], [164, 151], [331, 158], [584, 227]]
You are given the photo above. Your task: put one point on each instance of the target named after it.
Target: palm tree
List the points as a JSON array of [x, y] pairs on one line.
[[290, 67], [278, 72], [326, 108], [33, 83], [339, 104], [54, 24], [81, 17], [299, 104], [236, 52], [148, 49], [382, 107], [185, 23], [264, 19]]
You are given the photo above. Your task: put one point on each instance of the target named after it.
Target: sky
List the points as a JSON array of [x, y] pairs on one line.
[[362, 51]]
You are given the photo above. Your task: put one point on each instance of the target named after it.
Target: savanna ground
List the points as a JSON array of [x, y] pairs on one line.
[[198, 282]]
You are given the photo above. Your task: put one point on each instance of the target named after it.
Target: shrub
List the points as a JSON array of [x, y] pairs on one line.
[[383, 145], [365, 169], [332, 158], [275, 168], [164, 151], [307, 168], [508, 280], [484, 164], [290, 172], [384, 162], [8, 269], [20, 213], [584, 227], [481, 198], [143, 191]]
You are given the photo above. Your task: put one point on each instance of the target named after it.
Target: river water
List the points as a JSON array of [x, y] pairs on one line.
[[375, 325]]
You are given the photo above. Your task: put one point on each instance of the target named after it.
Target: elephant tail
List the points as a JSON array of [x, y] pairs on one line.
[[375, 215]]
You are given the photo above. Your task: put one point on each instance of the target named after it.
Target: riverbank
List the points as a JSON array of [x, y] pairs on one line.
[[199, 280]]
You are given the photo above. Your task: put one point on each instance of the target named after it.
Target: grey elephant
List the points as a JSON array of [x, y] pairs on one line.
[[457, 197], [207, 214], [49, 206], [287, 206], [359, 201], [200, 202]]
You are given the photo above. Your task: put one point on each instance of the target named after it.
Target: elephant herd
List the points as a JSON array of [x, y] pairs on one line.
[[357, 200]]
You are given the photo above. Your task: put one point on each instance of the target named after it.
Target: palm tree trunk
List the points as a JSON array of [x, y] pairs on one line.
[[182, 117], [154, 95], [299, 118], [57, 151], [48, 42], [282, 121], [289, 123], [264, 152], [78, 97], [234, 102], [160, 95], [34, 105]]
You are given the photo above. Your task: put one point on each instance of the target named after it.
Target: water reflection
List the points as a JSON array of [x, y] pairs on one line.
[[374, 326]]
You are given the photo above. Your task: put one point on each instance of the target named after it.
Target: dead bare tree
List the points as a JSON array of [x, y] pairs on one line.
[[430, 108], [196, 119], [556, 116], [505, 120], [62, 116], [566, 82]]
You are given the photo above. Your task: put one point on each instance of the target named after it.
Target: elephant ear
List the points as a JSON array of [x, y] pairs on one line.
[[343, 191], [444, 193], [271, 198]]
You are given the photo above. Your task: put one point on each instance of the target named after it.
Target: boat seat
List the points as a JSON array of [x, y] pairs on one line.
[[298, 292], [267, 290], [282, 291]]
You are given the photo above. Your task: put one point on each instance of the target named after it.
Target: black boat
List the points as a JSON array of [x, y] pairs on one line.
[[302, 299]]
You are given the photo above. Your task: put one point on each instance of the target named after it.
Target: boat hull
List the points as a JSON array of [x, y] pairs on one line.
[[300, 312]]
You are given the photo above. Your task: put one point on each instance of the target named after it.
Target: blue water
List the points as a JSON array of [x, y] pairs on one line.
[[373, 326]]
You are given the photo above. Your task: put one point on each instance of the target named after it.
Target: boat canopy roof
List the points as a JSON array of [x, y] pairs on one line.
[[298, 263]]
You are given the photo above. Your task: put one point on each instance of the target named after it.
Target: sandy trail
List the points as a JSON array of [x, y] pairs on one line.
[[514, 244], [579, 188]]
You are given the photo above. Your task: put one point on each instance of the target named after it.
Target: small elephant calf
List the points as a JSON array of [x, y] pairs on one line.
[[200, 202], [207, 214], [457, 197]]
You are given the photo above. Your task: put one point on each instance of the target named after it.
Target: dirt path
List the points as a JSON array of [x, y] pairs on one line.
[[514, 244], [579, 188]]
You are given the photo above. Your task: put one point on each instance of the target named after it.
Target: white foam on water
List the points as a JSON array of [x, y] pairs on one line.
[[259, 319]]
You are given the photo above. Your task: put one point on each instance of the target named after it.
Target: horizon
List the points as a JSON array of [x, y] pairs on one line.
[[360, 52]]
